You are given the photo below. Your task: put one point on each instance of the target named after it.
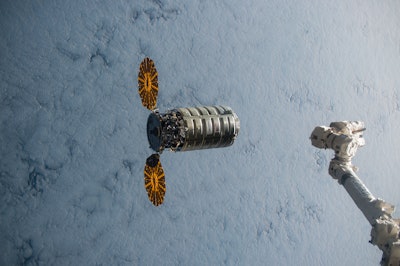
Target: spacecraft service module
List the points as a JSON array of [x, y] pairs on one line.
[[179, 129]]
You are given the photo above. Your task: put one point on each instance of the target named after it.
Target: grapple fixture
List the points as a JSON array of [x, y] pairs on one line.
[[179, 129]]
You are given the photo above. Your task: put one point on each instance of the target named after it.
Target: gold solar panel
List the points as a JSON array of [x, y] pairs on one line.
[[154, 180], [148, 83]]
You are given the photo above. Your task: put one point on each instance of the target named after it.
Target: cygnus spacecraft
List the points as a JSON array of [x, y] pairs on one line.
[[179, 129]]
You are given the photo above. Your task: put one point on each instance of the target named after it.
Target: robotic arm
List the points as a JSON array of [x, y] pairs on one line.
[[344, 138]]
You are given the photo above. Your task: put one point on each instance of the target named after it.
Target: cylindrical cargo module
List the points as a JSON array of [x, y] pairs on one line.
[[192, 128]]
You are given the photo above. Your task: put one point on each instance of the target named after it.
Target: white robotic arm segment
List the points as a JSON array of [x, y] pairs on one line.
[[319, 136], [344, 138], [348, 127], [394, 252], [385, 234]]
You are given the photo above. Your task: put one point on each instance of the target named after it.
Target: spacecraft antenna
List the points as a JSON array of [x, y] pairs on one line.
[[179, 129]]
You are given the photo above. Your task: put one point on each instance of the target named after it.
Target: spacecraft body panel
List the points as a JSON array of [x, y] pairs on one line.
[[193, 128]]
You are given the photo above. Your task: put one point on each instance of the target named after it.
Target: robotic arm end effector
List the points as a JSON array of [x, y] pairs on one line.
[[343, 137]]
